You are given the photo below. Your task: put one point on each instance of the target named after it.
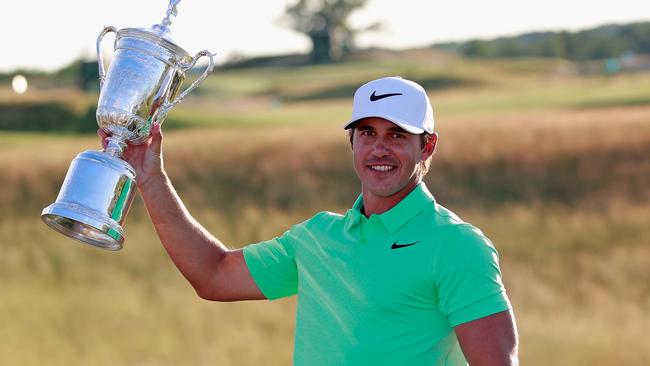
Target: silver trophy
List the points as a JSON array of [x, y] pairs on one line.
[[143, 83]]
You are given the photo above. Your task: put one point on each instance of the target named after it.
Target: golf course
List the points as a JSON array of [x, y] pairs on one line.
[[549, 158]]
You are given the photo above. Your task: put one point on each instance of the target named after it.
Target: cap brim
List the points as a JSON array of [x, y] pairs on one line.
[[397, 121]]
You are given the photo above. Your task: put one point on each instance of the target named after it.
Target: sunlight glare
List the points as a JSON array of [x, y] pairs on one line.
[[19, 84]]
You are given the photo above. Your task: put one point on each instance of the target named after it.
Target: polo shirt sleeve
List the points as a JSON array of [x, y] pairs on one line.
[[467, 276], [273, 266]]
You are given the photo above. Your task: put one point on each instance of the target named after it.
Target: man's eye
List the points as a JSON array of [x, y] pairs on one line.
[[366, 133], [398, 136]]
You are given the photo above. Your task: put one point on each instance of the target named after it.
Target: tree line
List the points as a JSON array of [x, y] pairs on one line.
[[602, 42]]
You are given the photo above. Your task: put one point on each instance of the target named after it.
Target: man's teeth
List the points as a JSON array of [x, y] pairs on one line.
[[382, 168]]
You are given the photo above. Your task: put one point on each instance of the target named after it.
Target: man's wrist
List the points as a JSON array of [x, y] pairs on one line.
[[153, 183]]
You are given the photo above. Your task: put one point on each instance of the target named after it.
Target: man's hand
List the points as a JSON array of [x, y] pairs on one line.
[[145, 158], [489, 341]]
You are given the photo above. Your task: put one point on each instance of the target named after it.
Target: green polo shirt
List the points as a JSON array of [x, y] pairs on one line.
[[384, 290]]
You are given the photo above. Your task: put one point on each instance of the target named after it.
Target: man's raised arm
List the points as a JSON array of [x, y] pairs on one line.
[[215, 272]]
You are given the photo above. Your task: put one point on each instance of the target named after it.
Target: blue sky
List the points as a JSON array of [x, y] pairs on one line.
[[47, 35]]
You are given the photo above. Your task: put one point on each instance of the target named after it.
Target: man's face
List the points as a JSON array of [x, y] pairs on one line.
[[386, 157]]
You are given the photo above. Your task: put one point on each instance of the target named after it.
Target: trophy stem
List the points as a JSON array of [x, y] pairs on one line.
[[116, 146]]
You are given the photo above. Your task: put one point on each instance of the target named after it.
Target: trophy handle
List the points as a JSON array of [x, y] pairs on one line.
[[196, 83], [100, 59]]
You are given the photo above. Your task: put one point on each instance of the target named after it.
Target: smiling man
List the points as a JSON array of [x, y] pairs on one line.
[[397, 280]]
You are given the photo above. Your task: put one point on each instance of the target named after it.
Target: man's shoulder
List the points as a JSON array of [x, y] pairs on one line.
[[445, 224], [324, 218], [441, 218], [327, 215], [321, 219]]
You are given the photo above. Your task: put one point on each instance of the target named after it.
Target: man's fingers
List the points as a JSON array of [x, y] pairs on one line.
[[156, 138], [102, 135]]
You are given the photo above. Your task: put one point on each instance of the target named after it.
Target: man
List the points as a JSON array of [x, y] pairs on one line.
[[397, 280]]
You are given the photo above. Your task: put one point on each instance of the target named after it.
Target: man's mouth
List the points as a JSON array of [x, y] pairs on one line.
[[382, 168]]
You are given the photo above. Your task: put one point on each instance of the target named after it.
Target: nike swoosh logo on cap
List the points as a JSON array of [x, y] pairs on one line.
[[374, 97]]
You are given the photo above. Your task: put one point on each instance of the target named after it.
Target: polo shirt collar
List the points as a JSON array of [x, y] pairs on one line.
[[403, 211]]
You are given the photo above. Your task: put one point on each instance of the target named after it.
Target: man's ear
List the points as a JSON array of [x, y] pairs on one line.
[[430, 146]]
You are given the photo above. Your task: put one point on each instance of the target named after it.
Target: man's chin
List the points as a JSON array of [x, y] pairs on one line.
[[387, 189], [382, 191]]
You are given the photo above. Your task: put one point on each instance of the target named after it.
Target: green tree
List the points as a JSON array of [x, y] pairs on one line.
[[508, 48], [568, 46], [604, 42], [326, 23], [551, 45], [638, 35], [80, 72], [479, 49]]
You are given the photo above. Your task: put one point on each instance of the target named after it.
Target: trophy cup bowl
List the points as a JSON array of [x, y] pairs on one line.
[[143, 83]]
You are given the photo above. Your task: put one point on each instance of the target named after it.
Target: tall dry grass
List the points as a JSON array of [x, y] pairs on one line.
[[578, 280], [563, 194]]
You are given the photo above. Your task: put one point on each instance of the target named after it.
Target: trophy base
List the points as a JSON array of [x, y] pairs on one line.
[[78, 223], [94, 200]]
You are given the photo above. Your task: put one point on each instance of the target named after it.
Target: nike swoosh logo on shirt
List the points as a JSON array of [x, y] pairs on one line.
[[397, 246]]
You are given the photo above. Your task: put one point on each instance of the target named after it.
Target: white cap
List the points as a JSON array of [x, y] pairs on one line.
[[401, 101]]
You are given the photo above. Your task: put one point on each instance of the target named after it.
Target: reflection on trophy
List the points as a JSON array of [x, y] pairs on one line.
[[143, 83]]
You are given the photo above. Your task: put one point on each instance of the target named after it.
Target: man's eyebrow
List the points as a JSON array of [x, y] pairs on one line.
[[397, 129], [365, 128]]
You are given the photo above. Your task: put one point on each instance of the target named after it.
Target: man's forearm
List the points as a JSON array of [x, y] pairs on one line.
[[193, 250]]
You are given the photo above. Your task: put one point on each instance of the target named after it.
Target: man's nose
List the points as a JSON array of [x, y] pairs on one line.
[[380, 148]]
